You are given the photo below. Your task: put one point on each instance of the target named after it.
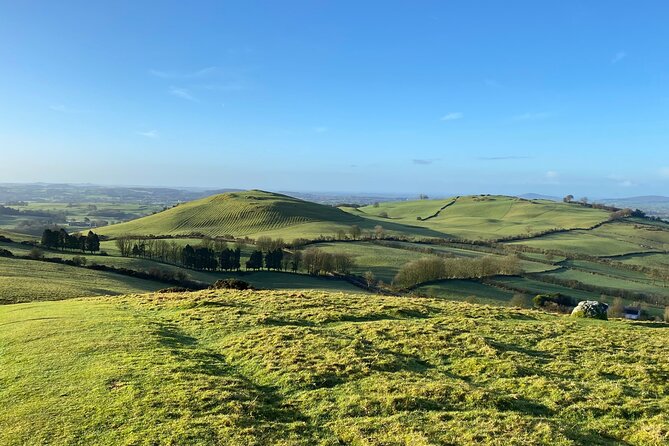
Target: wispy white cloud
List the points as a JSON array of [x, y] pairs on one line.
[[223, 86], [664, 172], [60, 108], [619, 56], [182, 93], [621, 181], [452, 116], [532, 116], [197, 74], [320, 129], [425, 162], [153, 134], [552, 175]]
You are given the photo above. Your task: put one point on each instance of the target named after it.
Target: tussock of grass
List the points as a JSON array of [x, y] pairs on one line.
[[305, 368]]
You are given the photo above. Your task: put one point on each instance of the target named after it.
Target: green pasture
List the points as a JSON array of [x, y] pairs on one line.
[[30, 280], [490, 217], [314, 368], [383, 261], [468, 290], [600, 280], [609, 270], [651, 260], [583, 242]]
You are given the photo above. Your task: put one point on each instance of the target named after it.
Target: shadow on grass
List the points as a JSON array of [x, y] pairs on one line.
[[265, 411], [170, 336], [650, 324]]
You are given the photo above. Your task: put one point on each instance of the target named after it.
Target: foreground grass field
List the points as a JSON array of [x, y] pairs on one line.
[[308, 368]]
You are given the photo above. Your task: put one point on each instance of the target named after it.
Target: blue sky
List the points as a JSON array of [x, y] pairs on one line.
[[377, 96]]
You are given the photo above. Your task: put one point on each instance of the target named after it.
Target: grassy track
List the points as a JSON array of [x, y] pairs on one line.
[[243, 368]]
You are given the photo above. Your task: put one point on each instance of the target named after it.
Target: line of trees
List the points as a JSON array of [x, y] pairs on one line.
[[317, 262], [429, 269], [60, 239], [213, 255]]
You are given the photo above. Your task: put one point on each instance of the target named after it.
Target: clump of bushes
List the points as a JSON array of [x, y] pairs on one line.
[[554, 302], [36, 254], [429, 269], [5, 253], [521, 301], [230, 284], [79, 260]]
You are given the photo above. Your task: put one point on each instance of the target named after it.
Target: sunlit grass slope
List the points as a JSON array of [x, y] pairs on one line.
[[309, 368], [610, 239], [488, 217], [235, 213], [254, 213], [29, 280]]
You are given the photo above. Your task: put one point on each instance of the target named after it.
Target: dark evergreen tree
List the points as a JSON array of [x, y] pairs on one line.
[[188, 256], [273, 259], [50, 239], [63, 239], [236, 259], [136, 250], [255, 262], [92, 243], [225, 259]]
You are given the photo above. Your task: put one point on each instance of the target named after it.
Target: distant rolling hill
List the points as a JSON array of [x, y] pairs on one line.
[[254, 213], [486, 217], [235, 213]]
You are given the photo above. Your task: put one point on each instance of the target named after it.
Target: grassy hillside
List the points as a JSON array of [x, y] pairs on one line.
[[487, 217], [611, 239], [257, 368], [236, 213], [254, 213], [29, 280]]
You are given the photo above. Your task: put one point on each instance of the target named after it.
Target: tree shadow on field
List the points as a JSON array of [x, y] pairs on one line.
[[541, 356], [170, 336], [592, 438], [650, 324]]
